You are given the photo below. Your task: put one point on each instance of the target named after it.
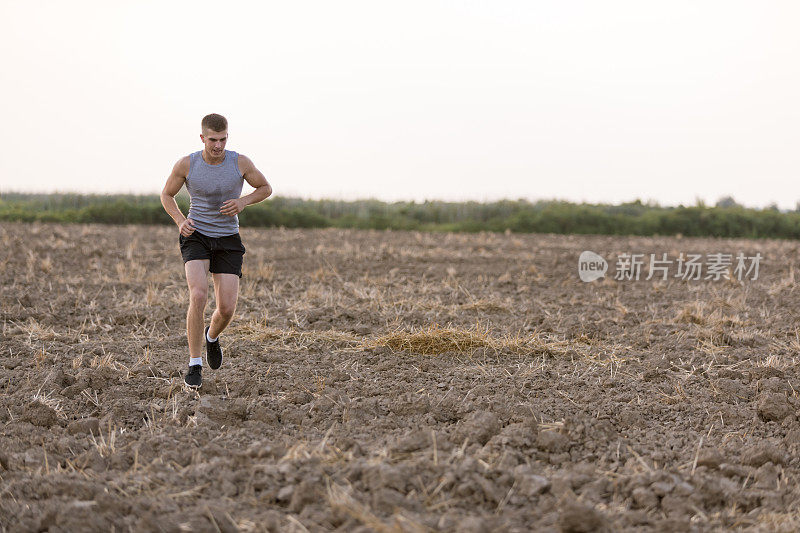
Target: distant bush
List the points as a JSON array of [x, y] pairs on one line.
[[726, 219]]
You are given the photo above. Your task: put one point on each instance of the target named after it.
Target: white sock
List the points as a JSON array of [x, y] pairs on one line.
[[195, 361], [209, 338]]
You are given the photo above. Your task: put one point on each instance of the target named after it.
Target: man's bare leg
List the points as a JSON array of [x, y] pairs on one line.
[[226, 290], [197, 279]]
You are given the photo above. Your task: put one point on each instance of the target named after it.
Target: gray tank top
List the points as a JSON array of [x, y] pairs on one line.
[[209, 186]]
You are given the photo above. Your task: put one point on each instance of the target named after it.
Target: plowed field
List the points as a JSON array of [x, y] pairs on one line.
[[396, 381]]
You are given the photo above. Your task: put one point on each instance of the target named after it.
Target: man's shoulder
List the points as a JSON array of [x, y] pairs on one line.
[[183, 165], [244, 160]]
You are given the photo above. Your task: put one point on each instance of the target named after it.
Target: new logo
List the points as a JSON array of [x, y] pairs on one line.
[[591, 266]]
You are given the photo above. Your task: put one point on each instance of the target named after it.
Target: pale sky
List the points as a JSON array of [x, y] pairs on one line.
[[598, 101]]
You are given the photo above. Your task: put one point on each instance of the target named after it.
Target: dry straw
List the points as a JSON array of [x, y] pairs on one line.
[[436, 339]]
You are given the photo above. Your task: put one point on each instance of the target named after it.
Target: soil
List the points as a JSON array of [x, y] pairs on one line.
[[609, 405]]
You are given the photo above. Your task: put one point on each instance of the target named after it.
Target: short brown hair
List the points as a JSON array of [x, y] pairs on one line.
[[214, 122]]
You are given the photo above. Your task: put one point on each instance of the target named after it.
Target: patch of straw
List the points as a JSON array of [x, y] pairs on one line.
[[340, 499], [105, 446], [49, 401], [293, 337], [789, 521], [486, 305], [698, 313], [436, 339]]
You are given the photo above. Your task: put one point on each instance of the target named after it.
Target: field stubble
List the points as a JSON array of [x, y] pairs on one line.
[[395, 381]]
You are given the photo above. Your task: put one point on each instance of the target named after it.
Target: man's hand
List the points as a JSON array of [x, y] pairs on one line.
[[232, 207], [187, 227]]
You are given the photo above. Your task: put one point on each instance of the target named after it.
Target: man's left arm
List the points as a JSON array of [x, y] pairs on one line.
[[256, 179]]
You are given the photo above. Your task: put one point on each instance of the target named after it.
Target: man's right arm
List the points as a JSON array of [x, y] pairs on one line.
[[174, 183]]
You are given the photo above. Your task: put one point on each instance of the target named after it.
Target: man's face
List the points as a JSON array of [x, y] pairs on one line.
[[215, 141]]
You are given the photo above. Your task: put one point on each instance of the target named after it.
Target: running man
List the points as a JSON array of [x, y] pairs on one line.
[[209, 235]]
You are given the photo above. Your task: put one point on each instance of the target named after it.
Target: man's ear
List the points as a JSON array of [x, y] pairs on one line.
[[202, 138]]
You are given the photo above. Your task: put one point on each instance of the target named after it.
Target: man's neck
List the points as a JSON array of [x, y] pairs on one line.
[[213, 160]]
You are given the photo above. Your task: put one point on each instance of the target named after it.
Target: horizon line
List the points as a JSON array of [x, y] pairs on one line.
[[646, 203]]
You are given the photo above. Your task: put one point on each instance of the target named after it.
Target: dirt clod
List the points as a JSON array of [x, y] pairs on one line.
[[216, 412], [576, 517], [84, 425], [552, 441], [763, 452], [479, 427], [40, 414], [644, 498], [774, 406], [528, 483], [710, 457]]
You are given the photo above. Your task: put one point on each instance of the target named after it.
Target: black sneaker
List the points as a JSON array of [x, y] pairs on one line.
[[194, 377], [213, 352]]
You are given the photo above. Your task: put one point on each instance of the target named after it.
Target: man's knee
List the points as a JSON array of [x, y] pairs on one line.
[[226, 310], [198, 297]]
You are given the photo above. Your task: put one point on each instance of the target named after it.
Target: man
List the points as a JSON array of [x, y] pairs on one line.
[[209, 235]]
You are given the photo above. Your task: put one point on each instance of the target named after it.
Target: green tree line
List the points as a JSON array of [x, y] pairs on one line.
[[726, 219]]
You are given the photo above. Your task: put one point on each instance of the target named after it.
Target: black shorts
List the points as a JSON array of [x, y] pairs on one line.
[[225, 253]]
